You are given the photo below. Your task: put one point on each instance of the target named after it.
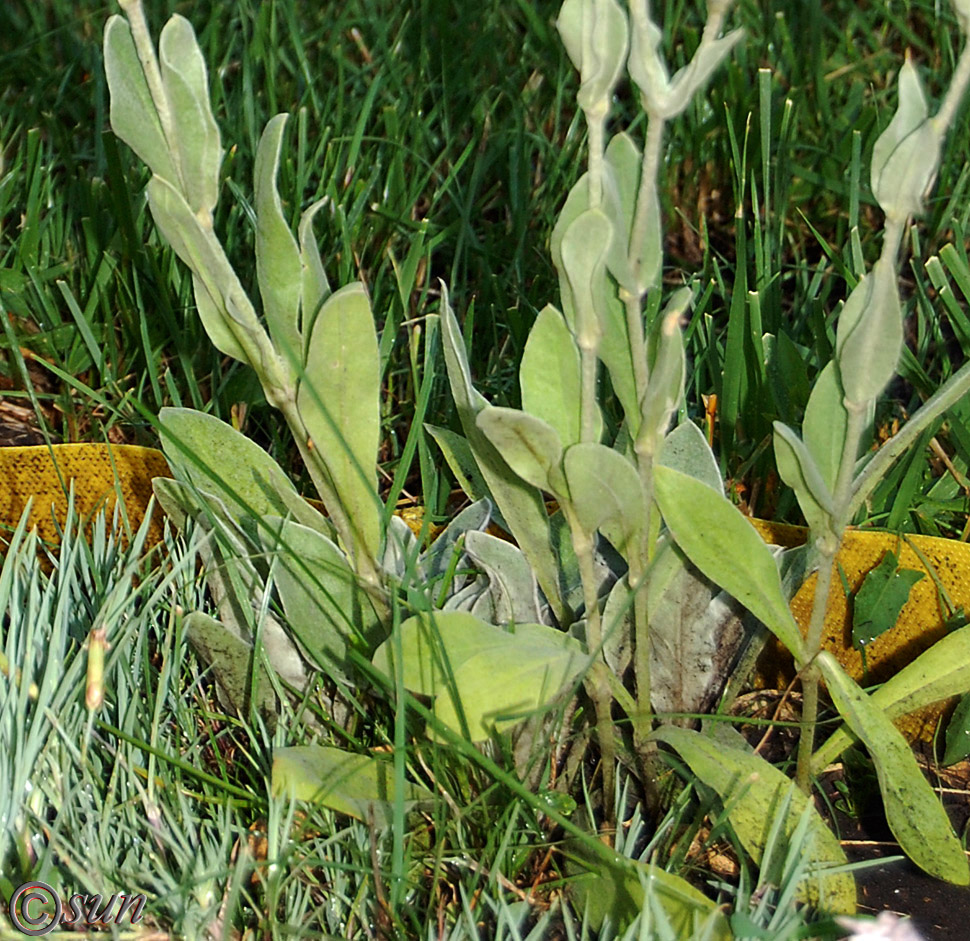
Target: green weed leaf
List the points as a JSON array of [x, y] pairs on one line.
[[914, 812], [958, 733], [727, 549], [880, 599]]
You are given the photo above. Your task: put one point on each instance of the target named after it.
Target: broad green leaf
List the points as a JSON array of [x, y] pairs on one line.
[[824, 426], [279, 268], [686, 450], [483, 678], [357, 785], [550, 375], [798, 469], [594, 33], [906, 155], [513, 595], [620, 889], [458, 454], [869, 338], [936, 674], [231, 660], [584, 247], [880, 598], [217, 459], [339, 401], [315, 287], [527, 444], [753, 792], [914, 812], [325, 608], [727, 549], [133, 115], [605, 493], [197, 135]]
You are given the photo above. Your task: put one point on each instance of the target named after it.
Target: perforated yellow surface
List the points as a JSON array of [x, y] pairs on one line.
[[98, 471], [921, 622]]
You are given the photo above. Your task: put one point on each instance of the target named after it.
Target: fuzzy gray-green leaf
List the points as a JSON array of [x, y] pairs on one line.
[[727, 549], [133, 115], [825, 423], [530, 446], [315, 286], [278, 265], [339, 400], [799, 470], [594, 33], [550, 375], [686, 450], [197, 135]]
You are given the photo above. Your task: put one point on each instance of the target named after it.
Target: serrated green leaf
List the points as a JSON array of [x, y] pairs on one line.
[[133, 115], [914, 812], [727, 549], [550, 376], [753, 792], [279, 269], [483, 678], [357, 785], [880, 599], [197, 135], [339, 401]]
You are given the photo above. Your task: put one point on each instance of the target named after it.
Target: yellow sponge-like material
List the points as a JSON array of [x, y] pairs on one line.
[[99, 472], [921, 622]]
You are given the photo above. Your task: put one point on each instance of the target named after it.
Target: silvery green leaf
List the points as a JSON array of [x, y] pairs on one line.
[[438, 557], [621, 182], [467, 597], [513, 595], [550, 375], [211, 270], [187, 87], [798, 469], [133, 115], [869, 337], [696, 74], [521, 505], [695, 636], [530, 446], [584, 247], [962, 10], [594, 33], [906, 155], [339, 401], [714, 535], [618, 627], [326, 609], [665, 387], [315, 286], [217, 459], [686, 450], [279, 269], [646, 66], [401, 548], [605, 493], [825, 423]]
